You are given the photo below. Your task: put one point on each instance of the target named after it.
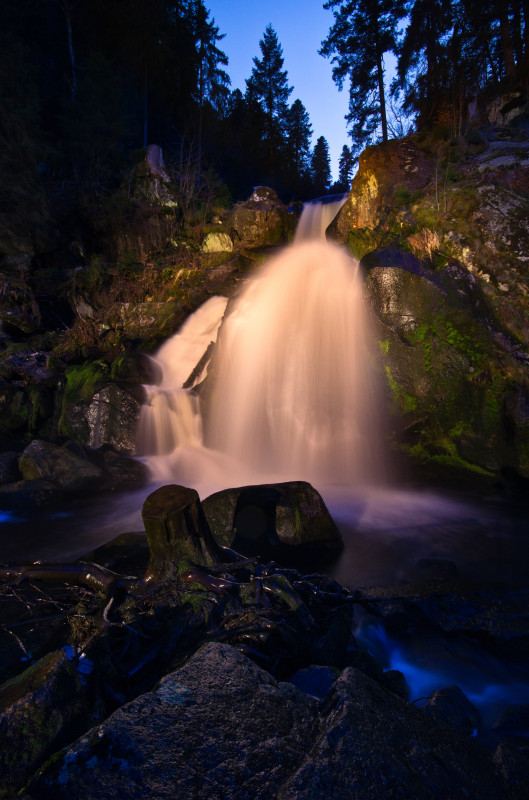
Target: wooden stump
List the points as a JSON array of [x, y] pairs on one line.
[[177, 530]]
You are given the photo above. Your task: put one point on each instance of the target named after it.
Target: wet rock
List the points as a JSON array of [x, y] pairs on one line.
[[452, 707], [395, 681], [125, 473], [275, 520], [14, 407], [261, 220], [48, 462], [177, 530], [39, 710], [222, 727], [28, 496], [9, 471]]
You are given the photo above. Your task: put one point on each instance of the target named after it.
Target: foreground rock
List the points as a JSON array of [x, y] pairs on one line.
[[222, 727], [261, 220], [280, 520]]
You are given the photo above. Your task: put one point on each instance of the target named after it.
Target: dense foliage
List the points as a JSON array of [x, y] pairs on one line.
[[449, 52]]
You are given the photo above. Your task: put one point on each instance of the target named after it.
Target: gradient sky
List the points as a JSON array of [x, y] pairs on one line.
[[301, 26]]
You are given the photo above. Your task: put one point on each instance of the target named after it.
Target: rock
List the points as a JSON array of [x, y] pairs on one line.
[[125, 473], [18, 306], [39, 710], [279, 520], [504, 109], [261, 220], [9, 471], [45, 461], [514, 721], [222, 727], [315, 681], [28, 496], [452, 707], [112, 418], [382, 169], [177, 531], [217, 243], [14, 407], [395, 681]]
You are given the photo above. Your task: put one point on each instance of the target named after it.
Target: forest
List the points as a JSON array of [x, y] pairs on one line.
[[88, 84]]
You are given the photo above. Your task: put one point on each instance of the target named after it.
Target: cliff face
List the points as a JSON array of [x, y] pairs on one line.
[[442, 231]]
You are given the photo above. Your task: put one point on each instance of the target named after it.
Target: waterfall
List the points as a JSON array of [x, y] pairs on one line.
[[170, 417], [294, 393]]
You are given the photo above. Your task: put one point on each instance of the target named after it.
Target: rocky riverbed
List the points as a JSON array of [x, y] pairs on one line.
[[166, 663]]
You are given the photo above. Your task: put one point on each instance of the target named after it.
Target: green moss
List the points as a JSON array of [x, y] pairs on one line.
[[406, 402], [82, 381], [361, 241]]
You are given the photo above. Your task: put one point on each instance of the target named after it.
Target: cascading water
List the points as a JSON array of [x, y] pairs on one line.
[[293, 395], [170, 417]]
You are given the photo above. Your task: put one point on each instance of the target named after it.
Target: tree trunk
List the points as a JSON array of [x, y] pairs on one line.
[[381, 92], [67, 9], [506, 39]]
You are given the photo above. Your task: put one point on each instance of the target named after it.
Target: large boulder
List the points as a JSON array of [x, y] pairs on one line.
[[48, 462], [222, 727], [274, 520], [261, 220], [39, 711]]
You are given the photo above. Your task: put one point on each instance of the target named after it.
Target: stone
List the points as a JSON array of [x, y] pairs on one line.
[[217, 243], [514, 721], [9, 471], [452, 707], [112, 418], [275, 520], [28, 496], [125, 473], [222, 727], [46, 461], [39, 710], [315, 681], [177, 531], [261, 220]]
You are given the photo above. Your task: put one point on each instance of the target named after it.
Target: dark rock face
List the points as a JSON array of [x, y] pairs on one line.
[[276, 520], [221, 727]]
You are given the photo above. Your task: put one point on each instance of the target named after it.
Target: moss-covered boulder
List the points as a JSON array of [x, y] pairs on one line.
[[39, 711], [261, 220], [46, 461]]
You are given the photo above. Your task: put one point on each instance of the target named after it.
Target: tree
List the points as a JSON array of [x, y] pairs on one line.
[[299, 133], [359, 37], [345, 168], [320, 166], [268, 85], [212, 81], [422, 65]]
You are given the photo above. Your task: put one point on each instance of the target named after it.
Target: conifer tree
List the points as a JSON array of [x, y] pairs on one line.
[[320, 166], [345, 168], [359, 37], [268, 85], [299, 133]]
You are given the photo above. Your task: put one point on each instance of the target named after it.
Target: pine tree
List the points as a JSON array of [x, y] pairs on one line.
[[213, 81], [299, 133], [359, 37], [345, 168], [320, 167], [268, 85]]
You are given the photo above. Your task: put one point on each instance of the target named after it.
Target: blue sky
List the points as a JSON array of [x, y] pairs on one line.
[[301, 26]]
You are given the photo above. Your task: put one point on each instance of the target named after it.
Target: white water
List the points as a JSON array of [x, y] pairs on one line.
[[293, 396]]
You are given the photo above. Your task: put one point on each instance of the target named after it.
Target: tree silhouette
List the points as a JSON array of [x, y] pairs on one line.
[[359, 37], [320, 166]]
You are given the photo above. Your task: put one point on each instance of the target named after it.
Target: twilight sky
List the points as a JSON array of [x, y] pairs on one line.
[[301, 26]]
